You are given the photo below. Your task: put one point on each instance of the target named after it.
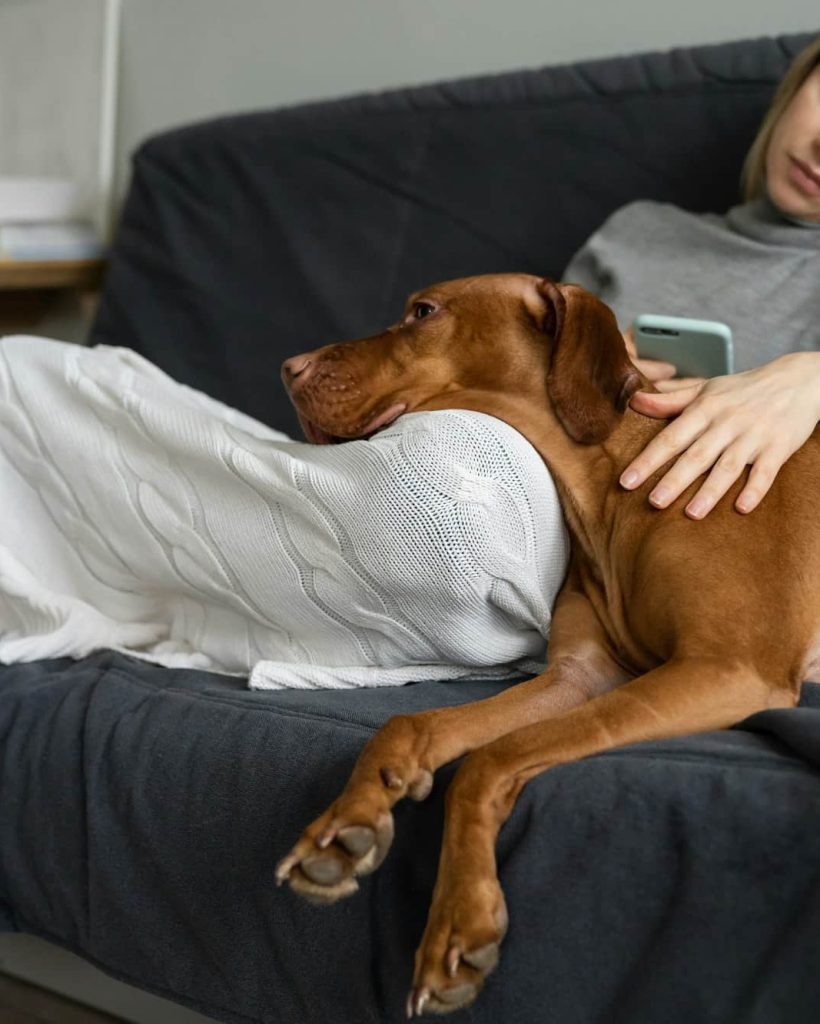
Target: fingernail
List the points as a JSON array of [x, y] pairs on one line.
[[745, 504], [630, 478], [698, 507], [659, 496]]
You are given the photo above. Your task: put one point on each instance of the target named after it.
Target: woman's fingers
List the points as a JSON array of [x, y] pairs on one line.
[[664, 405], [671, 441], [713, 449], [759, 417], [725, 472], [761, 477], [700, 444]]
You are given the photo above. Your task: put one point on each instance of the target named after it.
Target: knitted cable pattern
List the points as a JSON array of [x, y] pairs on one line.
[[140, 515]]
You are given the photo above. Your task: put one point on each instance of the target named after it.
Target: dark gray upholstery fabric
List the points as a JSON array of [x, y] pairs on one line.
[[142, 810], [250, 239]]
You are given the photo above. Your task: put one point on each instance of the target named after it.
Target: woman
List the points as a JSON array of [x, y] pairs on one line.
[[758, 269]]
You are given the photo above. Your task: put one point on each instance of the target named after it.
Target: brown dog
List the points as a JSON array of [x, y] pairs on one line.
[[663, 625]]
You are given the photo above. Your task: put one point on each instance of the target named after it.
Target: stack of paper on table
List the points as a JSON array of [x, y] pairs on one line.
[[41, 219]]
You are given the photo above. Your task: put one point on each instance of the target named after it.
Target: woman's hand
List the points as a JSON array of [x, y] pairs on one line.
[[756, 418]]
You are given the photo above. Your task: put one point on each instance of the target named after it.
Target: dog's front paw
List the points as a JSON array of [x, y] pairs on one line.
[[465, 928], [351, 838]]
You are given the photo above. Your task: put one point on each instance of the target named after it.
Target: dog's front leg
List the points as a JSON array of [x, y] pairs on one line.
[[353, 835], [468, 916]]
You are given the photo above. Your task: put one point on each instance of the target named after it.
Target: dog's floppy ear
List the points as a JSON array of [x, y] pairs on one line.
[[591, 378]]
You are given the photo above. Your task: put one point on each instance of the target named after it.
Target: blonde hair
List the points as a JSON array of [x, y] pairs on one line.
[[753, 175]]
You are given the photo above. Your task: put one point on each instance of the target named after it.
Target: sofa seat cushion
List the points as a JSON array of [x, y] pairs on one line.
[[143, 810]]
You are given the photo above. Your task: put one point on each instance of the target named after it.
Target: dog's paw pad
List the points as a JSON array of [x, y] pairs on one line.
[[485, 958], [458, 995], [322, 870], [356, 839]]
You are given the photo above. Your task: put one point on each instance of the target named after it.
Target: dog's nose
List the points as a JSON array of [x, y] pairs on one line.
[[296, 366]]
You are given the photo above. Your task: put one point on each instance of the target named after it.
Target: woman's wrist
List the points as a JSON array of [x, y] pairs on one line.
[[806, 367]]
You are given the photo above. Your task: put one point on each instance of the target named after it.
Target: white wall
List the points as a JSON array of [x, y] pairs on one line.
[[183, 60], [56, 97]]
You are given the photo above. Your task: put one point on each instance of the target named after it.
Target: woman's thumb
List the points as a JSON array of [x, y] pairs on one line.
[[661, 406]]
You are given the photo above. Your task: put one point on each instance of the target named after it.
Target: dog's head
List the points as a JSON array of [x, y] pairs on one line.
[[476, 343]]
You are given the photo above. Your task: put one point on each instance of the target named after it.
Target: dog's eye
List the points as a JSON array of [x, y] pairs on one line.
[[422, 309]]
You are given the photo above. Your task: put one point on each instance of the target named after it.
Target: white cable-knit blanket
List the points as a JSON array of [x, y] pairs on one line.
[[141, 515]]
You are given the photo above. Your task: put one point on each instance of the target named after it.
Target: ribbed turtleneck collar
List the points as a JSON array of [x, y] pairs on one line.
[[762, 220]]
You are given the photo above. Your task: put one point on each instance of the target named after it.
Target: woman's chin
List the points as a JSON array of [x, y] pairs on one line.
[[792, 201]]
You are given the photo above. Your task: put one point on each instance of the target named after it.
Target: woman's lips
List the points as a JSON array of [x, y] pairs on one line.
[[804, 177]]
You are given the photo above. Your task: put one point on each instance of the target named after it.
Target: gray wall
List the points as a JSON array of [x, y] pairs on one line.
[[183, 60]]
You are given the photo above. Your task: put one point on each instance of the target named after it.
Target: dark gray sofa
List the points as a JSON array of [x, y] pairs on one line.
[[142, 809]]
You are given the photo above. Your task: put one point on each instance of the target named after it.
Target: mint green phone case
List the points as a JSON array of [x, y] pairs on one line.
[[697, 348]]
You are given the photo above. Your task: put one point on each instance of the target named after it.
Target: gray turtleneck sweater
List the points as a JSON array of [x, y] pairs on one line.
[[751, 268]]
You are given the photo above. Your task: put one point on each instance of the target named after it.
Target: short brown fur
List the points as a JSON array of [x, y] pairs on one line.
[[663, 626]]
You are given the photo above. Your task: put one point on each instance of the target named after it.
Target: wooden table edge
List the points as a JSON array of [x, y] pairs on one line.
[[25, 276]]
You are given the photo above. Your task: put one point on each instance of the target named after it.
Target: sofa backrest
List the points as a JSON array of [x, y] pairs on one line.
[[250, 238]]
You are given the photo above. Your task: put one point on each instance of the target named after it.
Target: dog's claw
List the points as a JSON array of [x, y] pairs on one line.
[[326, 838], [283, 868], [416, 1001], [452, 961], [391, 778]]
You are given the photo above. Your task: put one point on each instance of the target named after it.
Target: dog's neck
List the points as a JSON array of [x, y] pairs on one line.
[[587, 478]]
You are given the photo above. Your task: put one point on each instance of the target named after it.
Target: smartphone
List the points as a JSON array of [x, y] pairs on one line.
[[697, 348]]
